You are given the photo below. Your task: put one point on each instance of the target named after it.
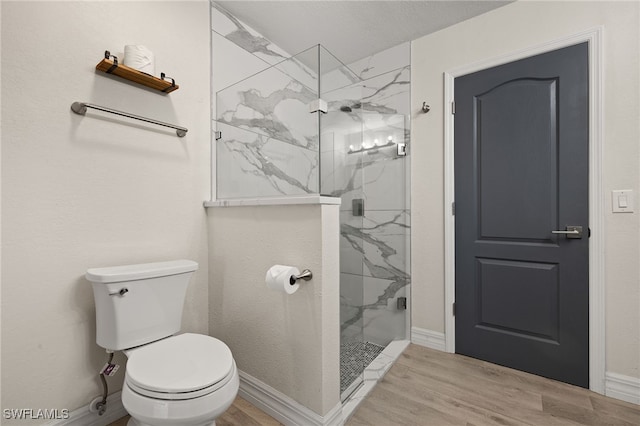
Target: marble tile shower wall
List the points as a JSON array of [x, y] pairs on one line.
[[272, 146], [270, 141], [245, 37]]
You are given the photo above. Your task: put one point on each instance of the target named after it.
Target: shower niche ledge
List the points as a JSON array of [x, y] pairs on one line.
[[274, 201]]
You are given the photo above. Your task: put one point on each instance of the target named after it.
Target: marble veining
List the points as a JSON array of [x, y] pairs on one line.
[[280, 113], [379, 241], [382, 62], [299, 66], [386, 94], [379, 182], [245, 37], [268, 135], [250, 164], [362, 315]]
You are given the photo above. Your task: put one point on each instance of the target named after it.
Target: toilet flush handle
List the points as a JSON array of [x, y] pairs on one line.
[[120, 292]]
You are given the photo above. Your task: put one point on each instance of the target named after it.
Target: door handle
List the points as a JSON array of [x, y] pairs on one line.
[[572, 231]]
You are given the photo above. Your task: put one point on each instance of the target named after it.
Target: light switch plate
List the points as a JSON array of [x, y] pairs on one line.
[[622, 201]]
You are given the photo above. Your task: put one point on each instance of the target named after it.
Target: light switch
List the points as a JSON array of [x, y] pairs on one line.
[[622, 201]]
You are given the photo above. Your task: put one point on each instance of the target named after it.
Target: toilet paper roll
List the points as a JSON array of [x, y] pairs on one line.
[[278, 278], [140, 58]]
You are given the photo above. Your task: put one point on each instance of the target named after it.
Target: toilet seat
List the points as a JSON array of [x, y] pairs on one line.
[[180, 367]]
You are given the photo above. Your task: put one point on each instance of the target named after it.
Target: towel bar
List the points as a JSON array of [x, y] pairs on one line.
[[81, 108]]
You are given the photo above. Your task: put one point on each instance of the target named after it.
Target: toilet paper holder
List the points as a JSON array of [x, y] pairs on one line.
[[304, 275]]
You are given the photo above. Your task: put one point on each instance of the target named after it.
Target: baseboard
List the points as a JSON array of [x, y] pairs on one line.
[[428, 338], [283, 408], [622, 387], [83, 417], [279, 406]]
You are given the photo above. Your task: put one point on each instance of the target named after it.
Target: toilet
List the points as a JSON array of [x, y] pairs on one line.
[[170, 379]]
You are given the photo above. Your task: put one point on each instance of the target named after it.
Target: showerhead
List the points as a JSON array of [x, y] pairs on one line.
[[347, 108]]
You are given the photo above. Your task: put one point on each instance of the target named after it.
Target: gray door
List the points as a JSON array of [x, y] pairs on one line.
[[521, 172]]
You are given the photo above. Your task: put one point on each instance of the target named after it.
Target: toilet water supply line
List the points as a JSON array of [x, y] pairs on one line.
[[109, 369]]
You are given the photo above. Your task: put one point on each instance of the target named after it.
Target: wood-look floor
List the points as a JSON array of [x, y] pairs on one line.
[[428, 387]]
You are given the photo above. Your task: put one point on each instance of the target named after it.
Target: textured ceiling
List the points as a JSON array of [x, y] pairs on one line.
[[354, 29]]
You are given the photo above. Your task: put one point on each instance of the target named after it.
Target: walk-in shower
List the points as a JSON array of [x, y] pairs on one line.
[[310, 125]]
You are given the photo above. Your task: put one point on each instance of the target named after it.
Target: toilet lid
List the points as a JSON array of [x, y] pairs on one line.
[[184, 363]]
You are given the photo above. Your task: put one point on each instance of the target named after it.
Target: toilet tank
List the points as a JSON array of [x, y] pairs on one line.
[[138, 304]]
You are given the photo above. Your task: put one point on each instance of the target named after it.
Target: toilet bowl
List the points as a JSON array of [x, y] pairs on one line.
[[170, 379], [188, 379]]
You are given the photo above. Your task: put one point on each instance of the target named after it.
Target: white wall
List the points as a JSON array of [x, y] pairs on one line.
[[505, 30], [98, 190], [289, 342]]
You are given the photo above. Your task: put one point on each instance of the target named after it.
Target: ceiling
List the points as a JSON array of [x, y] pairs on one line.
[[353, 29]]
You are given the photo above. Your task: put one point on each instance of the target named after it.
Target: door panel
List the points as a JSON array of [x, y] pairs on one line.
[[532, 291], [521, 172], [528, 159]]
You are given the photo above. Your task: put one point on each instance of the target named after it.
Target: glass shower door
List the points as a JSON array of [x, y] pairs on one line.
[[385, 229], [268, 141], [341, 130], [370, 175]]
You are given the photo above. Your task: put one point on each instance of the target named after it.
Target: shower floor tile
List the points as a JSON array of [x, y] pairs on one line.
[[354, 358]]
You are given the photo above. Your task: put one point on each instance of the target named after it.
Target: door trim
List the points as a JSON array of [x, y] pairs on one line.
[[597, 350]]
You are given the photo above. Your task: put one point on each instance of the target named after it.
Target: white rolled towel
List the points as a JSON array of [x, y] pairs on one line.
[[140, 58]]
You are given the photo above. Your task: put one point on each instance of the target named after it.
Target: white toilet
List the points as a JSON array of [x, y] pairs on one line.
[[170, 379]]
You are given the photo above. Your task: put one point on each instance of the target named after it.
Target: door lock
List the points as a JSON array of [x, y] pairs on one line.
[[571, 232]]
